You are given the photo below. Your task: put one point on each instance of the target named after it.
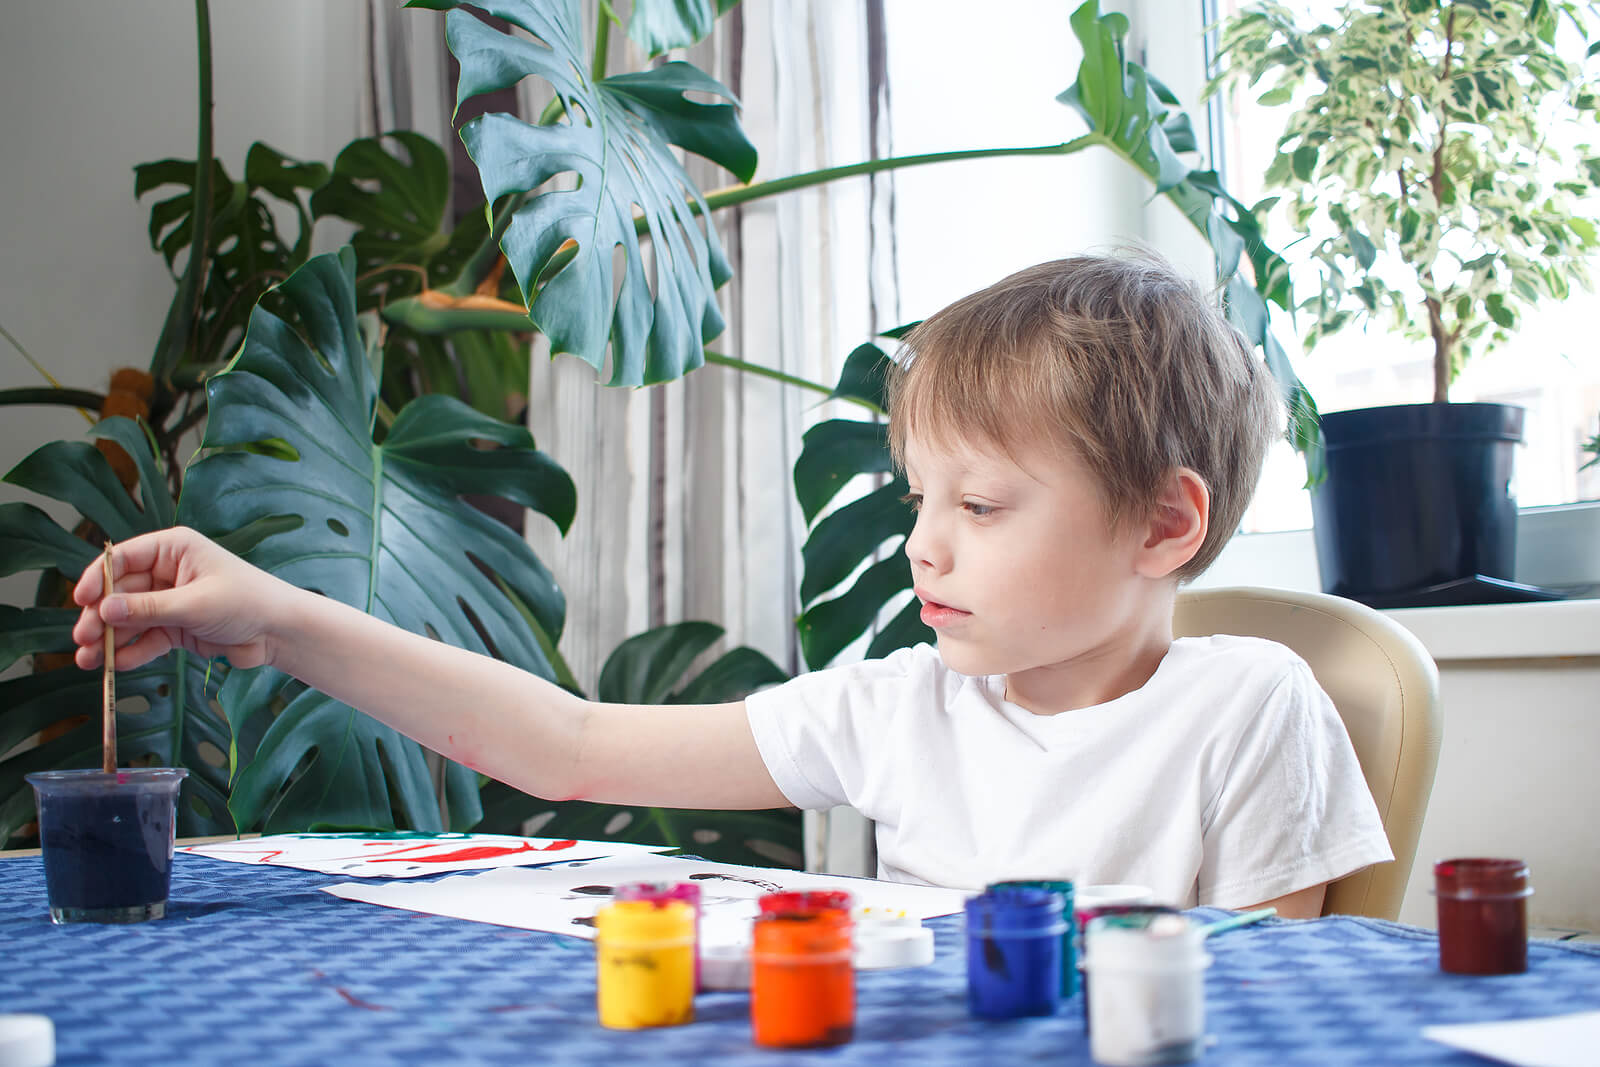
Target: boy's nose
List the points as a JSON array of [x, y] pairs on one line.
[[925, 548]]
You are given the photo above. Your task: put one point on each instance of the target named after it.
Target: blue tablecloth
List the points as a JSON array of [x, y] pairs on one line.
[[254, 966]]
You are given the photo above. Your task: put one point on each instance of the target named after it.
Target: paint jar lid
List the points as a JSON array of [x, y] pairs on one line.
[[1061, 886], [724, 966], [1093, 896], [882, 946], [1481, 878], [1016, 913], [816, 935], [646, 922], [27, 1041], [806, 901], [688, 892], [1149, 943]]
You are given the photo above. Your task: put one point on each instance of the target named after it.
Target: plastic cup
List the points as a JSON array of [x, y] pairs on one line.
[[107, 842]]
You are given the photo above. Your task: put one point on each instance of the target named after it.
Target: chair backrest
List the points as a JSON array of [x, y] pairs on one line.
[[1386, 689]]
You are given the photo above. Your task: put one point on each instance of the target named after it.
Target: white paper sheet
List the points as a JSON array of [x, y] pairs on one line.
[[563, 898], [408, 854], [1552, 1041]]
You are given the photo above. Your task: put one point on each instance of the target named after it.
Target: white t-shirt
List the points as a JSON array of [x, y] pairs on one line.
[[1226, 779]]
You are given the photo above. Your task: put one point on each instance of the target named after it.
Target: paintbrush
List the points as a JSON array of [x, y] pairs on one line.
[[1233, 922], [108, 746]]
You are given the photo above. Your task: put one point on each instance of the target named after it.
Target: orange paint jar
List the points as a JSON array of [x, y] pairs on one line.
[[802, 983]]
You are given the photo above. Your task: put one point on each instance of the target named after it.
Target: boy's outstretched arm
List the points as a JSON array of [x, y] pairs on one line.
[[176, 589]]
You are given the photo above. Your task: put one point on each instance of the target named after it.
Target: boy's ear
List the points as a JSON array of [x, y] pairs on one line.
[[1178, 525]]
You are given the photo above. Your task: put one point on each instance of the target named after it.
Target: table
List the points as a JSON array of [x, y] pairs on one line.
[[254, 966]]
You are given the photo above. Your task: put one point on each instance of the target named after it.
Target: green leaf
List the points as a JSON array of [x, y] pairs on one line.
[[1274, 97], [843, 540], [164, 714], [643, 669], [835, 452], [616, 142], [382, 527], [761, 838], [829, 626], [248, 252], [866, 374], [1304, 162], [31, 540], [1362, 248], [395, 190], [25, 631], [658, 26], [1503, 316], [902, 631], [74, 472]]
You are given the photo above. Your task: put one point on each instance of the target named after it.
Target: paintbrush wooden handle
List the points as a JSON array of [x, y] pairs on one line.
[[108, 741]]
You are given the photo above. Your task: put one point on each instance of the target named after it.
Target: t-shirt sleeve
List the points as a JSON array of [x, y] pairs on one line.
[[1294, 810], [819, 734]]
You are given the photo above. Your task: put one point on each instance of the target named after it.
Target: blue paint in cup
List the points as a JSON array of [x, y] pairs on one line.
[[106, 840], [1014, 952]]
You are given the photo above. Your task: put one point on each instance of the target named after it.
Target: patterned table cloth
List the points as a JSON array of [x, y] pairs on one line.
[[254, 966]]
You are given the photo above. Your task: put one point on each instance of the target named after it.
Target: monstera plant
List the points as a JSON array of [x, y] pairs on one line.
[[329, 460]]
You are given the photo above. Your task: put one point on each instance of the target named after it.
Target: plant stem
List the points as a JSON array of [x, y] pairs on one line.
[[602, 41], [81, 399], [739, 194], [759, 371], [178, 329]]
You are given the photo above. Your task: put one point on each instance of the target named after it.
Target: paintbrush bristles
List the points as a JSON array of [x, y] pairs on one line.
[[108, 745]]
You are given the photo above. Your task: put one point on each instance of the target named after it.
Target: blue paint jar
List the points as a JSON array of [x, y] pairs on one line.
[[1069, 959], [1014, 953]]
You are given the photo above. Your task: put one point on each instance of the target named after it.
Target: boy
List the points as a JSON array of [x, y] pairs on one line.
[[1078, 439]]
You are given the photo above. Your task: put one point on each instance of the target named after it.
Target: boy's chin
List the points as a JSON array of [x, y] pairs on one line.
[[964, 659]]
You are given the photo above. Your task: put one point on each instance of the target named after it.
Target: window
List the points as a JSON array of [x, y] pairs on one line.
[[1550, 367]]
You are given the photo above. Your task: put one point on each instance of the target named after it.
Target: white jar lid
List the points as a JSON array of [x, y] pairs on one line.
[[27, 1041], [881, 946], [1167, 943]]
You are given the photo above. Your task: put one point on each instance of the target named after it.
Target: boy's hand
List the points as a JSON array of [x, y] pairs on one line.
[[176, 589]]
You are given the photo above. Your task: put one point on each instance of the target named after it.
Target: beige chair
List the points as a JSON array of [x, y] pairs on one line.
[[1386, 688]]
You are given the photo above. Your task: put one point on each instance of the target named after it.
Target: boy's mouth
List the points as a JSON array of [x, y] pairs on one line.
[[935, 614]]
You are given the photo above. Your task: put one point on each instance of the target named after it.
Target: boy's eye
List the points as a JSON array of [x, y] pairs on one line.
[[976, 509], [914, 499]]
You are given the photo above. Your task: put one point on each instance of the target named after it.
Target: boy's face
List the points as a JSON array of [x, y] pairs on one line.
[[1017, 569]]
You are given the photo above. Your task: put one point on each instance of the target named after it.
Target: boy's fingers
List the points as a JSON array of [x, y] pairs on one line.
[[144, 610], [132, 561], [150, 645]]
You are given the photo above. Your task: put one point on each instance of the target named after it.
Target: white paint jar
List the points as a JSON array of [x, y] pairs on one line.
[[1147, 974]]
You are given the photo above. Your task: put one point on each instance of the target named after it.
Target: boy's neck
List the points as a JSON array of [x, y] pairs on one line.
[[1104, 674]]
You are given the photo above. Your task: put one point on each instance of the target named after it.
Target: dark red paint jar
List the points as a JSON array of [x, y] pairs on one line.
[[1483, 915]]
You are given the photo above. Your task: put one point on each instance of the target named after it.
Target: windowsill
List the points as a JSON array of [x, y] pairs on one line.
[[1557, 547]]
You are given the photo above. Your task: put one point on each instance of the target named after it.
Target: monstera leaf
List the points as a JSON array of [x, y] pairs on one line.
[[165, 714], [835, 453], [1140, 120], [247, 253], [648, 669], [380, 525], [658, 26], [614, 146]]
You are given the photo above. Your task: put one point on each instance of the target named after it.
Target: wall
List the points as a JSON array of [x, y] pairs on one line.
[[94, 88], [1517, 688]]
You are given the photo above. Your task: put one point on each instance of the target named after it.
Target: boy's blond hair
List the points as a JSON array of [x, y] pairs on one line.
[[1117, 360]]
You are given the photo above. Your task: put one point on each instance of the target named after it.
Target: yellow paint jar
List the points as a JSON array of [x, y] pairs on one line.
[[644, 963]]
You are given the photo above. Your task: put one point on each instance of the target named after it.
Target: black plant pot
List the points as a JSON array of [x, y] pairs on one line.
[[1418, 498]]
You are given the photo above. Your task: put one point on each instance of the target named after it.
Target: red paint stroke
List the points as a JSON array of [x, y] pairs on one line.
[[474, 852], [267, 854], [356, 1002]]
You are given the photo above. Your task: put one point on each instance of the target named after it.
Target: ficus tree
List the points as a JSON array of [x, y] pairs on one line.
[[1436, 160]]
